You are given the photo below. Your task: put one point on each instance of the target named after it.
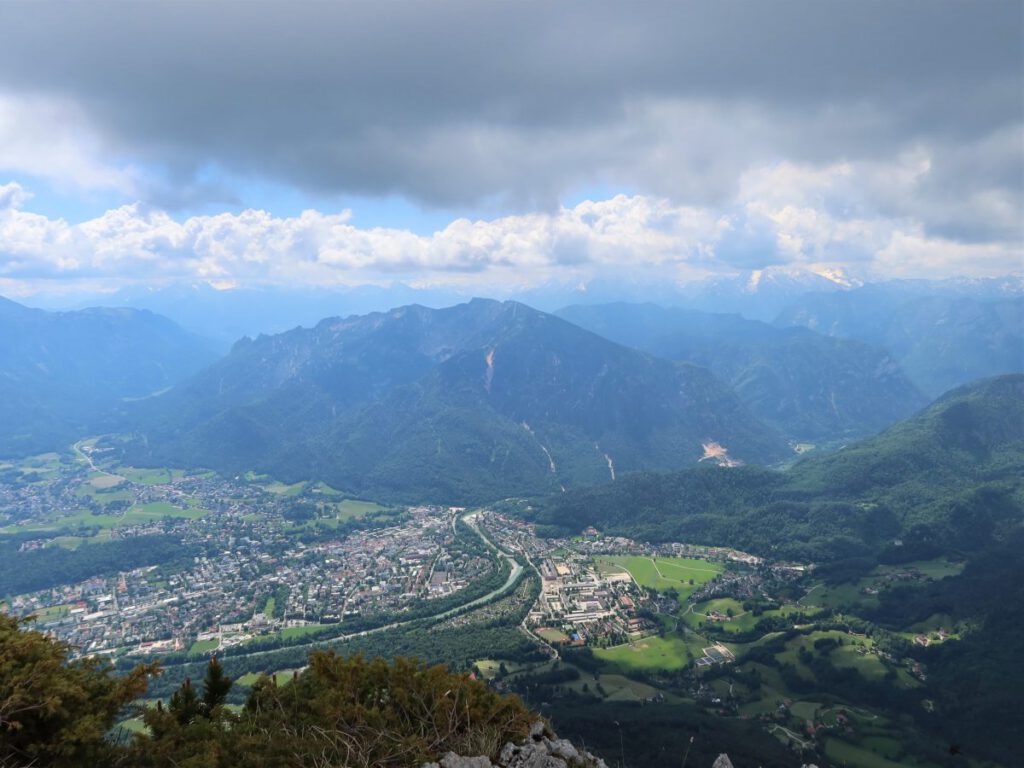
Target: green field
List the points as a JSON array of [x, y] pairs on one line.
[[553, 635], [134, 725], [844, 753], [158, 476], [938, 568], [102, 480], [615, 687], [52, 613], [248, 679], [104, 492], [350, 509], [283, 676], [741, 621], [140, 513], [74, 542], [840, 596], [852, 594], [290, 633], [489, 668], [284, 489], [326, 490], [268, 609], [654, 653], [204, 646], [663, 573], [343, 511], [46, 465]]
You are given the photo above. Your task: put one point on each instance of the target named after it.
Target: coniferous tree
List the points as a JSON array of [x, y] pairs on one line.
[[216, 686], [184, 704]]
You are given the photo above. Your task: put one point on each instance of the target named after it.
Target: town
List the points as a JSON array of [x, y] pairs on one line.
[[271, 560], [256, 572]]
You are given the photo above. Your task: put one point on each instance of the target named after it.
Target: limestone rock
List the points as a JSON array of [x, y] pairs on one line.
[[451, 760], [564, 749], [722, 761], [535, 755], [508, 752], [541, 749]]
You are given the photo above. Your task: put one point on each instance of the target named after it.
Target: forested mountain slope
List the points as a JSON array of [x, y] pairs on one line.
[[470, 403], [941, 340], [63, 374], [949, 479], [810, 387]]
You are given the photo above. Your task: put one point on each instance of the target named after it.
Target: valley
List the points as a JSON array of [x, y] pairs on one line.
[[511, 385], [254, 562], [273, 569], [613, 536], [729, 633]]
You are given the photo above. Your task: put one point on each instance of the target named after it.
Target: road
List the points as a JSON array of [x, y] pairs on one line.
[[88, 459]]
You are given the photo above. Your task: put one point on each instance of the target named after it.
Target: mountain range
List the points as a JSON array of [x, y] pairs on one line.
[[477, 401], [941, 338], [485, 399], [63, 374], [945, 485], [949, 479], [808, 386]]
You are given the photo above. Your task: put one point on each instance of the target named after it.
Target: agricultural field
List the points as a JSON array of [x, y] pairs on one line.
[[936, 569], [863, 592], [280, 676], [52, 613], [874, 752], [158, 476], [102, 481], [350, 509], [654, 653], [613, 687], [39, 468], [325, 489], [291, 633], [285, 489], [684, 575], [739, 619], [204, 646], [491, 668]]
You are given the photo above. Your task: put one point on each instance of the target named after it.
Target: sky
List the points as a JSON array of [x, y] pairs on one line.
[[483, 144]]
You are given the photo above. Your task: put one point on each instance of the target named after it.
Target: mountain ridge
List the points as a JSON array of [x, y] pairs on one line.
[[64, 374], [948, 478], [810, 387], [494, 389]]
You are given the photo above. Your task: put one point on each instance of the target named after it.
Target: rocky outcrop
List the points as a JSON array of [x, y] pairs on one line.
[[541, 749]]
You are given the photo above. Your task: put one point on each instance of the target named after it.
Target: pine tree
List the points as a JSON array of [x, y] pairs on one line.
[[184, 704], [216, 686]]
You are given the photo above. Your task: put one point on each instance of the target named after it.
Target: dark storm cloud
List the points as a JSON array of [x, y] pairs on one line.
[[517, 103]]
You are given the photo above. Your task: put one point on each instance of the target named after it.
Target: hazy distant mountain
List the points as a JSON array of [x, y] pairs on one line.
[[942, 338], [229, 314], [809, 386], [476, 401], [64, 373], [759, 294]]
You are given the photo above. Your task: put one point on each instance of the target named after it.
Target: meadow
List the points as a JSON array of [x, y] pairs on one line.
[[684, 575], [654, 653]]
